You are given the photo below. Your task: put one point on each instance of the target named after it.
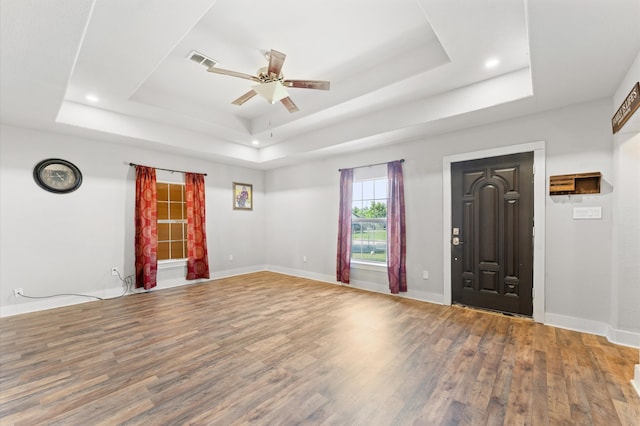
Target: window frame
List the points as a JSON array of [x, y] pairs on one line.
[[178, 261], [361, 175]]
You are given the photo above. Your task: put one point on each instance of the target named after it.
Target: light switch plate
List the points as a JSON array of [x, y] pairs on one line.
[[587, 212]]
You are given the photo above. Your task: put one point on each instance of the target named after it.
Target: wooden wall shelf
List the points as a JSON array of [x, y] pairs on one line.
[[580, 183]]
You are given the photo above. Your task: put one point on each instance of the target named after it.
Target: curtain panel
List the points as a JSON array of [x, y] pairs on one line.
[[343, 258], [146, 240], [396, 230], [197, 256]]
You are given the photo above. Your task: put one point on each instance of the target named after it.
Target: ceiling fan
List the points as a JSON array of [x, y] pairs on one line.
[[271, 83]]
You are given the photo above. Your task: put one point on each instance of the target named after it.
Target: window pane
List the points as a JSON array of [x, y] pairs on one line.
[[163, 251], [369, 226], [163, 211], [163, 232], [367, 190], [370, 242], [176, 231], [381, 188], [175, 211], [380, 209], [171, 207], [357, 191], [175, 192], [356, 208], [177, 249], [162, 190], [356, 231]]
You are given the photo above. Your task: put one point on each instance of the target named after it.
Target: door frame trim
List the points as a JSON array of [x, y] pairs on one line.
[[539, 200]]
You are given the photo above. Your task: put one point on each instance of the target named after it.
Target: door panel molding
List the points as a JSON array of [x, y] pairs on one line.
[[500, 233], [539, 191]]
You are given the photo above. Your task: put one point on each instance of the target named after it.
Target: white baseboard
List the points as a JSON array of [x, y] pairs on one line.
[[623, 337], [31, 305], [422, 296], [238, 271], [24, 305], [636, 380], [302, 274], [620, 337]]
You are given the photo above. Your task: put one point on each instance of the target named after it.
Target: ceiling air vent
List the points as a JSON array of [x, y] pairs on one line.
[[201, 59]]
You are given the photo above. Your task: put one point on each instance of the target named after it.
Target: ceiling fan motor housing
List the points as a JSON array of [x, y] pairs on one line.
[[266, 77]]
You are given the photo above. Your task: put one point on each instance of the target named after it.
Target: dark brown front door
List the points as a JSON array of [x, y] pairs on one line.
[[492, 233]]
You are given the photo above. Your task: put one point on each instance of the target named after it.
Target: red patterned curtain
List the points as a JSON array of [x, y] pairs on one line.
[[146, 228], [396, 230], [343, 264], [197, 257]]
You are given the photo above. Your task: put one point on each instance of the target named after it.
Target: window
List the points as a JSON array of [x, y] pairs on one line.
[[369, 216], [172, 221]]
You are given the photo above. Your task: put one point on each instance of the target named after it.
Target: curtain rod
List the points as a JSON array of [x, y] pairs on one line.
[[374, 164], [166, 170]]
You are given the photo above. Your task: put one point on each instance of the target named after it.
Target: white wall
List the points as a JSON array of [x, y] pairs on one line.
[[578, 255], [68, 243], [54, 243], [626, 237]]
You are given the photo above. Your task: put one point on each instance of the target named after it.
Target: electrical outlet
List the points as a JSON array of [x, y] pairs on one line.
[[17, 292], [230, 258], [304, 258], [114, 271], [425, 275]]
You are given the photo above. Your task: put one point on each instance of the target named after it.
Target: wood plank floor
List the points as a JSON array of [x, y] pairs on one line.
[[266, 348]]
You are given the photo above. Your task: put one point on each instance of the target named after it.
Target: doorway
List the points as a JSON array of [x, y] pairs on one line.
[[492, 211]]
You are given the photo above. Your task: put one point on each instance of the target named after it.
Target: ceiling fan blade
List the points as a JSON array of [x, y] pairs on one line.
[[233, 73], [307, 84], [276, 60], [288, 103], [244, 98]]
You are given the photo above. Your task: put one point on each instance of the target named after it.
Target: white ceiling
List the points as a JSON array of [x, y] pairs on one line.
[[399, 69]]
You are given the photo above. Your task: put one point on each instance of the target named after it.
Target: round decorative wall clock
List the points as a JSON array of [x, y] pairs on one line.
[[56, 175]]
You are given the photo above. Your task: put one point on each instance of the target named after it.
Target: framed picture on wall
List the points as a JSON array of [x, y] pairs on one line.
[[242, 196]]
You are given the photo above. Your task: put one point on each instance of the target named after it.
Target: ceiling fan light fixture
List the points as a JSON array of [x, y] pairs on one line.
[[272, 92], [272, 85]]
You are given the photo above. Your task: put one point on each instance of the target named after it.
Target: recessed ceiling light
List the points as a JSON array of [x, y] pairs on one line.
[[92, 98], [491, 63], [255, 142]]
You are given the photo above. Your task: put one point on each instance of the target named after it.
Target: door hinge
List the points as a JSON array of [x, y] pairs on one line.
[[533, 169], [533, 293], [533, 231]]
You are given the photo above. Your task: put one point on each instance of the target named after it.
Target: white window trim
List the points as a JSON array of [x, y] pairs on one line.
[[172, 263], [364, 174], [369, 266]]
